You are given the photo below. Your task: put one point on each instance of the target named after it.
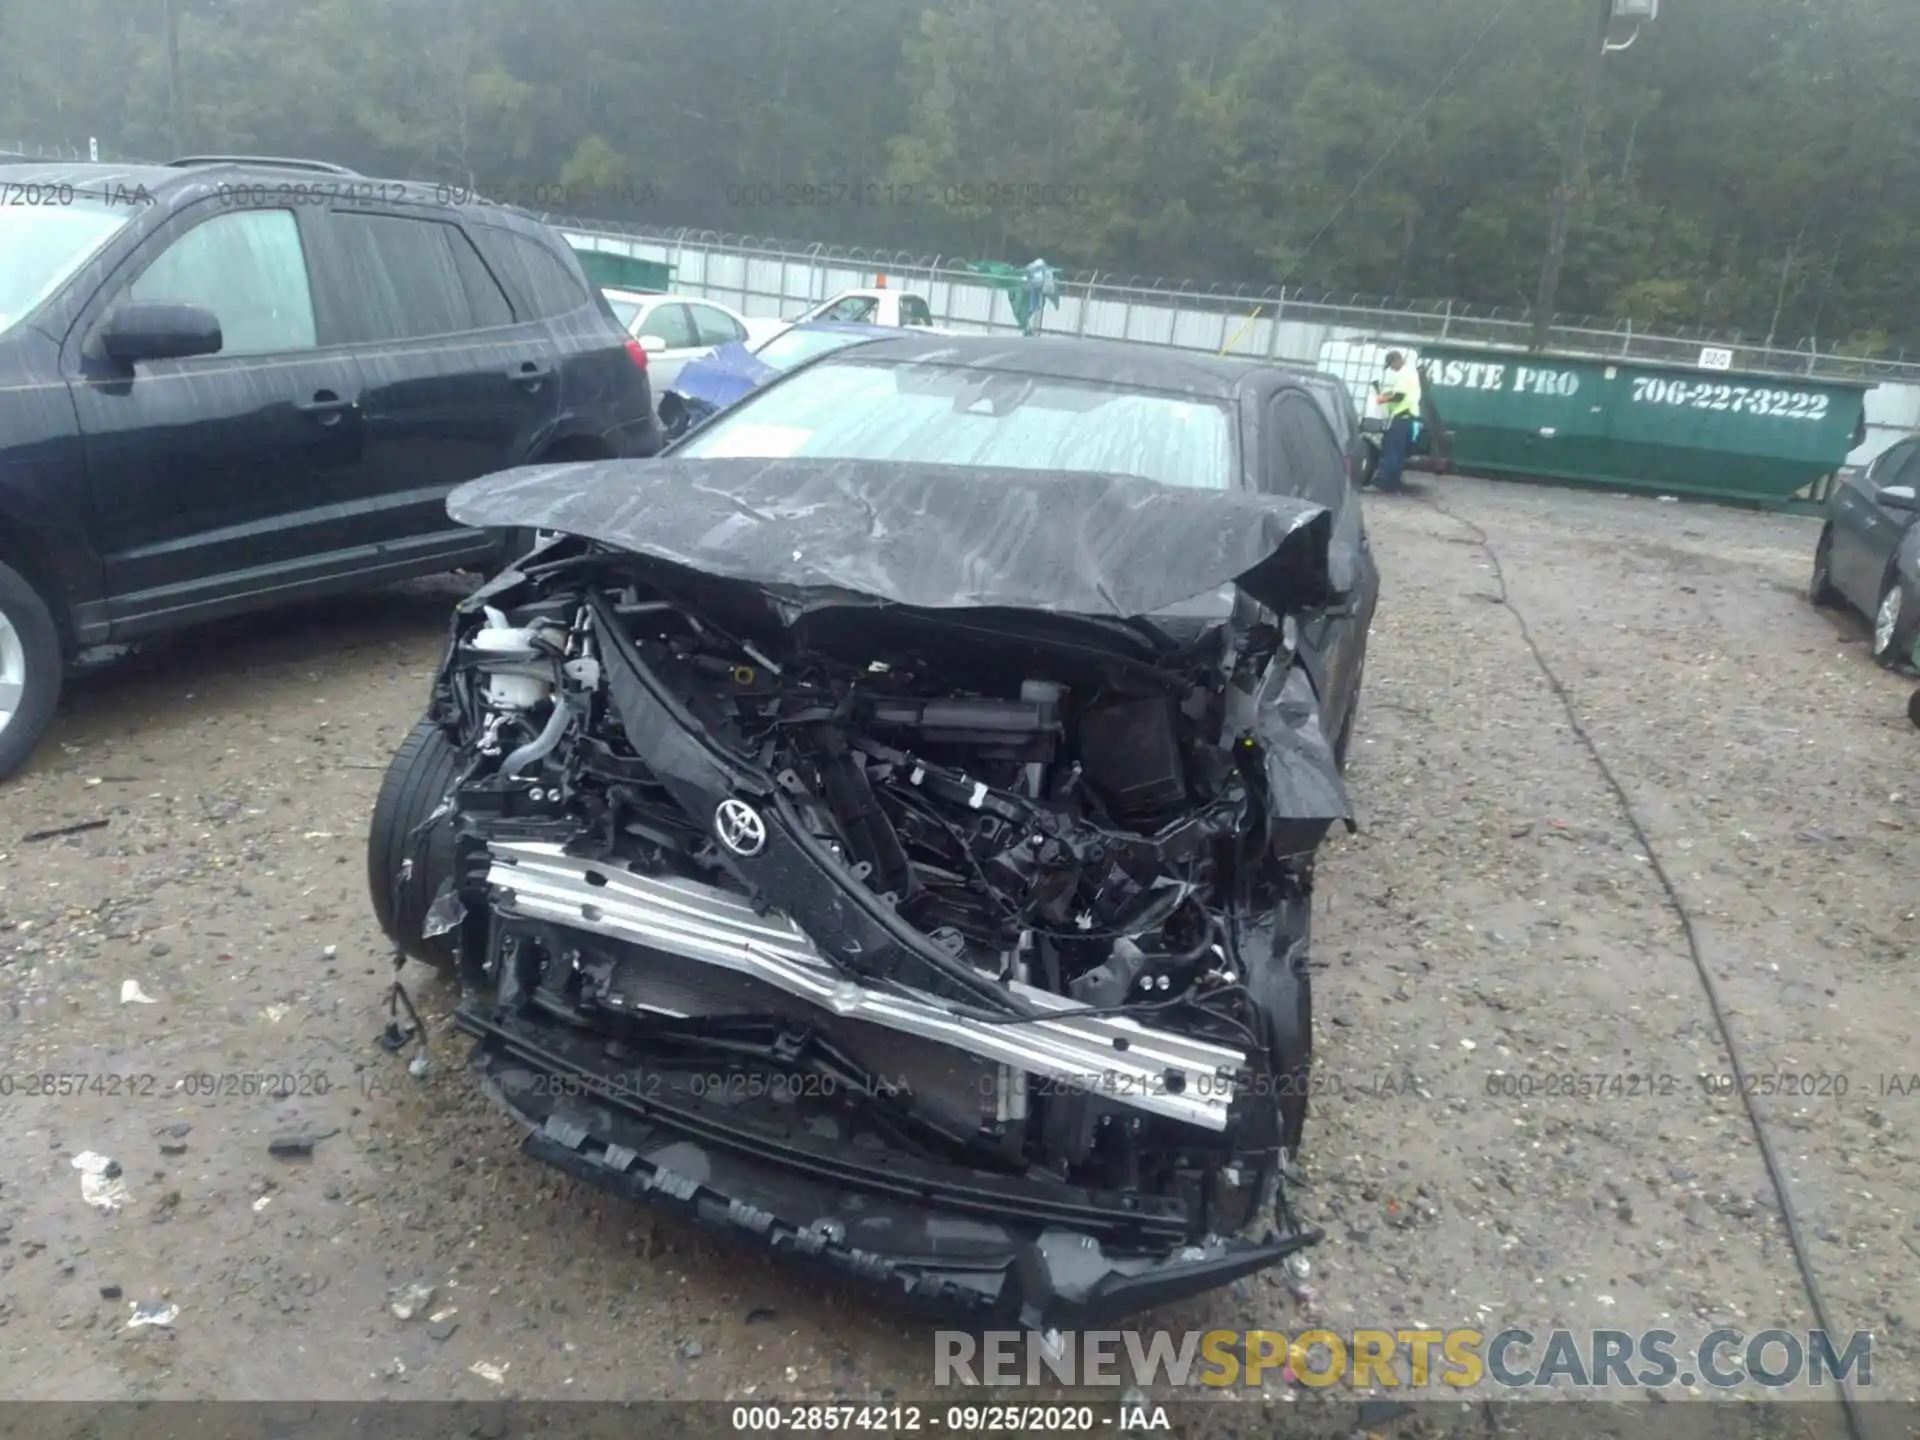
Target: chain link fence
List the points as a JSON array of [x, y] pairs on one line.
[[767, 277], [757, 271]]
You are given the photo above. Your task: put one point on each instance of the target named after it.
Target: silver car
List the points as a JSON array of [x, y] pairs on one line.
[[1868, 558]]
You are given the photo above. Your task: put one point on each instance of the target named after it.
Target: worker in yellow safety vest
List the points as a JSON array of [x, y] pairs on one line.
[[1399, 391]]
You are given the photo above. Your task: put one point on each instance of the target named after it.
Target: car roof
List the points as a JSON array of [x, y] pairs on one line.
[[845, 327], [198, 179], [1145, 367], [876, 292], [1317, 379], [655, 297]]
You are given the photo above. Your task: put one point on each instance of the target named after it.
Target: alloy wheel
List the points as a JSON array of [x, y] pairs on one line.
[[13, 671], [1887, 621]]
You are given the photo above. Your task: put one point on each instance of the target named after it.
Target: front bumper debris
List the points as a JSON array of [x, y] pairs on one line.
[[1037, 1253], [1150, 1069]]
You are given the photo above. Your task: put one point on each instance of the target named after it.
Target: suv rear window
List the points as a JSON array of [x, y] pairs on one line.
[[541, 283], [416, 278]]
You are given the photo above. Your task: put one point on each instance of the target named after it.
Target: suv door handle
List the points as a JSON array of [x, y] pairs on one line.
[[327, 407], [530, 373]]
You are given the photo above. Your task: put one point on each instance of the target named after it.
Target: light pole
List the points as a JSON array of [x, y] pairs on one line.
[[1586, 98], [173, 80]]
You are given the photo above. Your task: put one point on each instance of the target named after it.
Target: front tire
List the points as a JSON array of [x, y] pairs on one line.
[[1820, 589], [1345, 740], [1284, 993], [31, 670], [419, 778]]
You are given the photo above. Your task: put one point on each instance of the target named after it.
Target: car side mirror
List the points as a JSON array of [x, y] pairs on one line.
[[1898, 497], [160, 330], [652, 344]]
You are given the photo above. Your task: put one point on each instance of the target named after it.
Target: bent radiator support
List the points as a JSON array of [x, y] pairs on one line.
[[1116, 1058]]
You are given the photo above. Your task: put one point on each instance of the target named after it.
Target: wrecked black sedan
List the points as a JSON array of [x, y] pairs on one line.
[[906, 864]]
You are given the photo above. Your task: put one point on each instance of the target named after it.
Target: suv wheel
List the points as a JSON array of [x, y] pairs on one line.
[[30, 669]]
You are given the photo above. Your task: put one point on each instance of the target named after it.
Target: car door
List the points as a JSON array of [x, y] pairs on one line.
[[604, 396], [670, 325], [213, 479], [454, 383], [1893, 524], [1300, 457], [714, 327], [1865, 534]]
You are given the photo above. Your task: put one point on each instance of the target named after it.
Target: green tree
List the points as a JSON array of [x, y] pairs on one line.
[[1754, 164]]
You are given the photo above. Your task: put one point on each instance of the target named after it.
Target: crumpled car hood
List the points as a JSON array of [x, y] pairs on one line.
[[928, 536], [724, 376]]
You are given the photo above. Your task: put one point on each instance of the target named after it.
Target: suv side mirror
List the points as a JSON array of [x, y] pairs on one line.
[[160, 330], [1898, 497]]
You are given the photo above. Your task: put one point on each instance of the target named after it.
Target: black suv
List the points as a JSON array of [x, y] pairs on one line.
[[229, 383]]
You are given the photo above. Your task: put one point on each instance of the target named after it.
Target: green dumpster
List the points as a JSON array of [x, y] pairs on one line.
[[624, 272], [1677, 430]]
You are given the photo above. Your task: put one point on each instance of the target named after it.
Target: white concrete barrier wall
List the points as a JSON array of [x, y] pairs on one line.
[[1893, 412]]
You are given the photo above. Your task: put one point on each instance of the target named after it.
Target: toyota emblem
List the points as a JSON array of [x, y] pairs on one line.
[[740, 827]]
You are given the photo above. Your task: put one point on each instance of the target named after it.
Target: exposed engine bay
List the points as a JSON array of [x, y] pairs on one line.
[[965, 947]]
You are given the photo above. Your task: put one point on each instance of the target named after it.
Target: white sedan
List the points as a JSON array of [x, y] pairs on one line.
[[878, 306], [674, 329]]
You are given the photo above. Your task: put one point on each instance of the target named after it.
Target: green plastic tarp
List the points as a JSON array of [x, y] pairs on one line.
[[1009, 280]]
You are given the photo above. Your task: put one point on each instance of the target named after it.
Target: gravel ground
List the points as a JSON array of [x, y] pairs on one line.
[[1496, 924]]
